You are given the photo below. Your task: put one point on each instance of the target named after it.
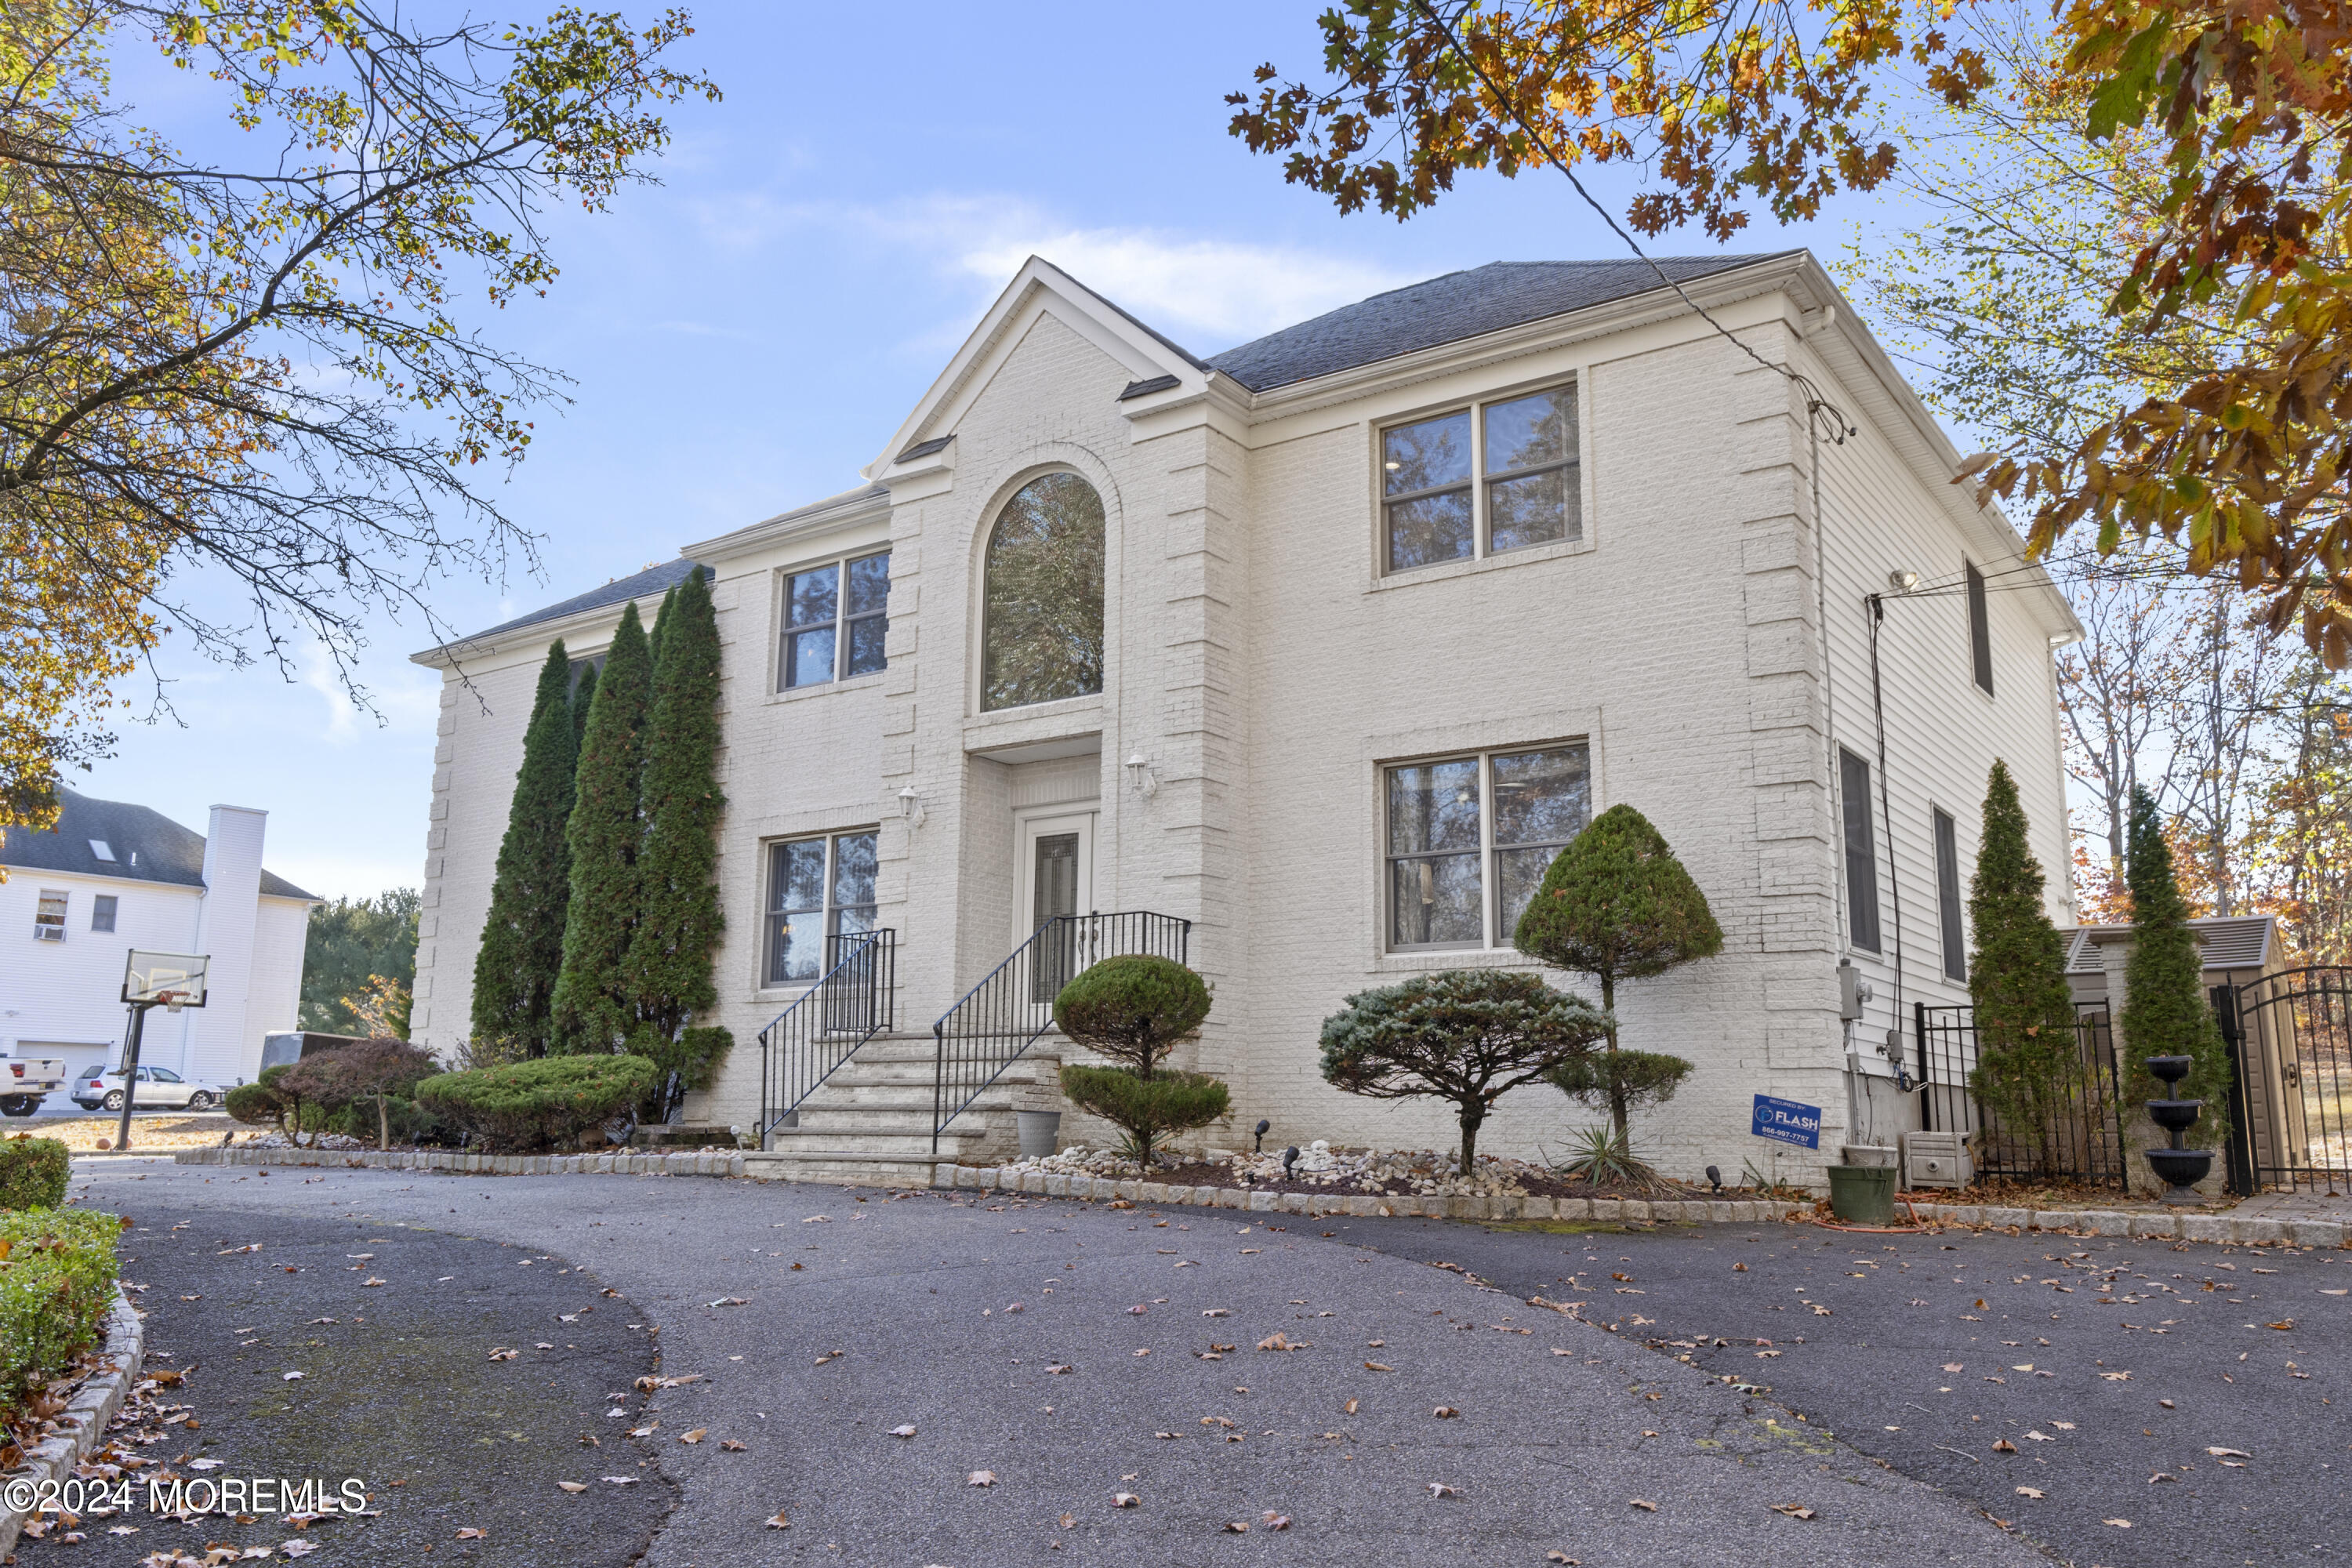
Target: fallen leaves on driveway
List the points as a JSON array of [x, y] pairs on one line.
[[1124, 1499], [1794, 1510], [1439, 1489], [778, 1521], [1644, 1504], [906, 1431], [1378, 1366], [980, 1478], [573, 1485], [696, 1436], [2030, 1492]]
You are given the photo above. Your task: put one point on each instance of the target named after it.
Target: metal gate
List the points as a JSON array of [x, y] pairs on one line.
[[2081, 1135], [2290, 1040]]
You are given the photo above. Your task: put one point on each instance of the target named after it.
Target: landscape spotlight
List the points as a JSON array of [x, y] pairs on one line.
[[1264, 1126]]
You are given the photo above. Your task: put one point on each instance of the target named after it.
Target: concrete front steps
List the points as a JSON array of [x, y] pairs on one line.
[[870, 1122]]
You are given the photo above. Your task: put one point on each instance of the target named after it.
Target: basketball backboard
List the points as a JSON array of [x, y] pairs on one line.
[[176, 980]]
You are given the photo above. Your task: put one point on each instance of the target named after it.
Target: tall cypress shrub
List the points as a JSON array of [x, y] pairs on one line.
[[522, 939], [1616, 904], [2027, 1054], [584, 697], [2166, 1011], [678, 920], [592, 1005]]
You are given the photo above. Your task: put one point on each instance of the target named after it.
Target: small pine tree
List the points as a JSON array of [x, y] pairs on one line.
[[591, 1005], [522, 938], [1617, 905], [2166, 1011], [678, 920], [2028, 1054]]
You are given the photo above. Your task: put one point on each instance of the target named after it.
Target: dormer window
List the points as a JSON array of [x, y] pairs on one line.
[[1480, 480], [102, 849]]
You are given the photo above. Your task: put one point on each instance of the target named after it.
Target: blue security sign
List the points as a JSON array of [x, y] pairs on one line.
[[1786, 1121]]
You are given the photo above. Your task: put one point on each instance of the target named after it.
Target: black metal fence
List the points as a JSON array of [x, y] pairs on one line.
[[2290, 1040], [2075, 1128], [851, 1003], [1003, 1016]]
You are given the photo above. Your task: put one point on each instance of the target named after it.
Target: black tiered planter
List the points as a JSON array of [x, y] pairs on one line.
[[2179, 1167]]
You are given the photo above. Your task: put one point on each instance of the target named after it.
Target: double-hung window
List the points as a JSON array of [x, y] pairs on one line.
[[835, 617], [819, 889], [1861, 852], [1468, 840], [1979, 630], [49, 916], [102, 912], [1947, 893], [1481, 480]]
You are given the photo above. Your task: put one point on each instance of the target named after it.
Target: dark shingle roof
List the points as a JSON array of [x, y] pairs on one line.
[[164, 851], [651, 582], [1449, 309]]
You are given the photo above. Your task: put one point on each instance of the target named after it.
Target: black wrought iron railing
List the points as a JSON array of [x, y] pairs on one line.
[[1003, 1016], [851, 1003], [2068, 1124]]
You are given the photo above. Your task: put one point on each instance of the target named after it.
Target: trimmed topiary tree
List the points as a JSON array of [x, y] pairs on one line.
[[522, 952], [667, 970], [2027, 1054], [591, 1003], [1134, 1008], [2166, 1011], [1468, 1035], [371, 1075], [523, 1108], [1616, 904]]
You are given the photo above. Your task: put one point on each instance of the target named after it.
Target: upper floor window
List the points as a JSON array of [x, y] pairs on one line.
[[1480, 480], [819, 889], [1469, 839], [102, 912], [1861, 852], [1042, 611], [1979, 629], [836, 616], [49, 916], [1947, 893]]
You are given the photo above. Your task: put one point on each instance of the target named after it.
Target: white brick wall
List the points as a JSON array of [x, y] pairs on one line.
[[1264, 667]]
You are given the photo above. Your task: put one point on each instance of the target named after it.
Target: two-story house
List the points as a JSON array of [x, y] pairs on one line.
[[1325, 646], [111, 876]]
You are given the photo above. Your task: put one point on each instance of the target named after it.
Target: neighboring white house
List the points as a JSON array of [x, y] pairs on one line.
[[1391, 603], [111, 876]]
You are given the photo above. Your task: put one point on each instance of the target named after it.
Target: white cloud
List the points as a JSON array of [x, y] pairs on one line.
[[1206, 292]]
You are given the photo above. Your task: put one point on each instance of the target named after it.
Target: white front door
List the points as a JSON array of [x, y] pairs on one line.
[[1057, 877]]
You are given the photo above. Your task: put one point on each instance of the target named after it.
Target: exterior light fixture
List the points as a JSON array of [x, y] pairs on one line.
[[910, 805], [1903, 579], [1138, 769]]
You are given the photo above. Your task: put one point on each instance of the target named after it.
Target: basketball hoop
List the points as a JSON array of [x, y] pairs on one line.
[[172, 1000]]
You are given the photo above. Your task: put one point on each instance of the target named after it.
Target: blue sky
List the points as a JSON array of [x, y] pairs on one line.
[[746, 336]]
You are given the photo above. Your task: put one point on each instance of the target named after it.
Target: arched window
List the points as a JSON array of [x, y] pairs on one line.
[[1041, 612]]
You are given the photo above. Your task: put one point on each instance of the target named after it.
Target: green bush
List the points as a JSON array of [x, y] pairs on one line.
[[57, 1283], [528, 1107], [253, 1104], [1146, 1109], [1133, 1009], [408, 1122], [1610, 1079], [33, 1172]]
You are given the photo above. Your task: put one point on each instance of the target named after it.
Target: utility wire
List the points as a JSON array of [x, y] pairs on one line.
[[1816, 401]]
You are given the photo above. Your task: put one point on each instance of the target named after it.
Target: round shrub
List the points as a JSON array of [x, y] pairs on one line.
[[524, 1108], [57, 1285], [1146, 1109], [1132, 1008], [33, 1172], [256, 1105], [1605, 1080]]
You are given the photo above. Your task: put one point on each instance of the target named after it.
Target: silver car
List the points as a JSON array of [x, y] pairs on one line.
[[159, 1089]]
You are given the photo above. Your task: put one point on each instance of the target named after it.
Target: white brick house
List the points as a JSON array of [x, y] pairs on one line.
[[1317, 717], [111, 876]]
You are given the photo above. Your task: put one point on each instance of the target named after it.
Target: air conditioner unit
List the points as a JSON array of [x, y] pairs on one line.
[[48, 933], [1936, 1160]]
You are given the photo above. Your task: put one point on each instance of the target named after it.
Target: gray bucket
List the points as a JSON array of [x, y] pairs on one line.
[[1040, 1132]]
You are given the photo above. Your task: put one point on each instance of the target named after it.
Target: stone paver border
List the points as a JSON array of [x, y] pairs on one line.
[[2229, 1229], [81, 1425]]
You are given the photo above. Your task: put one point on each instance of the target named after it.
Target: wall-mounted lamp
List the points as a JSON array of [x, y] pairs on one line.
[[1902, 580], [910, 805], [1138, 769]]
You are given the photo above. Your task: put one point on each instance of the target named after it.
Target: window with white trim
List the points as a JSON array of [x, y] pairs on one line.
[[1947, 893], [1861, 851], [102, 912], [49, 916], [1481, 480], [835, 617], [1467, 839], [819, 889]]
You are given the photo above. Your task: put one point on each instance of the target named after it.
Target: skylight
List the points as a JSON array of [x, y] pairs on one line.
[[102, 848]]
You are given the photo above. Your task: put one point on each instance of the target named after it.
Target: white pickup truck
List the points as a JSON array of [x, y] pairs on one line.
[[26, 1081]]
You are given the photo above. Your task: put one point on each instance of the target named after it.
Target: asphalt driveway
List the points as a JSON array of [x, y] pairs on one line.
[[2113, 1369], [936, 1380]]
